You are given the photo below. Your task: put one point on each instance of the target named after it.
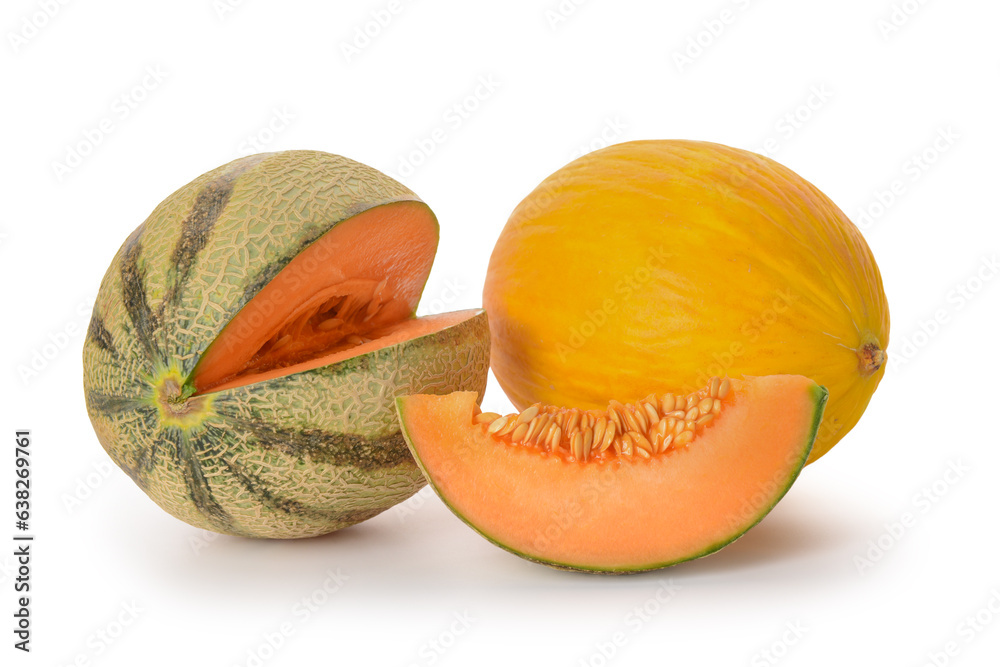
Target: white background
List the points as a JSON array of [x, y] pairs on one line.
[[865, 96]]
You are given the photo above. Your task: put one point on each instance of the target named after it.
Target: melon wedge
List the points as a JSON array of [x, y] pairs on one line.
[[611, 511]]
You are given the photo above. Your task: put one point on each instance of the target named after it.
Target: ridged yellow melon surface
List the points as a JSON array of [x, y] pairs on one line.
[[681, 260]]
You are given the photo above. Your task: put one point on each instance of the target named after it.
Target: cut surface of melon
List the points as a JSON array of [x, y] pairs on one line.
[[619, 513], [357, 283], [391, 335]]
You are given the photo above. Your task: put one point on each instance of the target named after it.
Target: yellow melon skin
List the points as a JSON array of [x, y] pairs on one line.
[[652, 264]]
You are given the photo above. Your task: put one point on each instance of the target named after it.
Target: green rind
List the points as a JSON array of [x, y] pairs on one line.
[[291, 457], [299, 455], [199, 257], [819, 395]]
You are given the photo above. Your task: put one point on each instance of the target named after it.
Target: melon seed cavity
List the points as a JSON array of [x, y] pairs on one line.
[[643, 429]]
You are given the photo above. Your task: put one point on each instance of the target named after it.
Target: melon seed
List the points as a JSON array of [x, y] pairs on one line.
[[643, 429], [528, 414], [497, 424], [519, 433], [651, 413], [576, 445], [486, 417]]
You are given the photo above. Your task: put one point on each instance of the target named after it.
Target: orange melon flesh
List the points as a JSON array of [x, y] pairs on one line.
[[399, 333], [621, 514], [382, 255]]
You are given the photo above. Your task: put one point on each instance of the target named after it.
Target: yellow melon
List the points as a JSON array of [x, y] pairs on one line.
[[683, 260]]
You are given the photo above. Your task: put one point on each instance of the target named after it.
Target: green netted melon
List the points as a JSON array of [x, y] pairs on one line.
[[250, 337]]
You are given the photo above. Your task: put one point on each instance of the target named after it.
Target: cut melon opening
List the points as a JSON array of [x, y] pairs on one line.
[[639, 496], [352, 290]]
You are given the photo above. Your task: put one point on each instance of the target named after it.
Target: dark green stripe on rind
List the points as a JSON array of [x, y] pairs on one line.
[[106, 404], [187, 456], [134, 298], [339, 449], [260, 490], [297, 455], [176, 283], [819, 395], [196, 229], [100, 335], [137, 461]]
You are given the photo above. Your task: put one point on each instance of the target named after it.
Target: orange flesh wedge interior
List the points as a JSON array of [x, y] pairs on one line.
[[352, 290], [618, 511], [399, 333]]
